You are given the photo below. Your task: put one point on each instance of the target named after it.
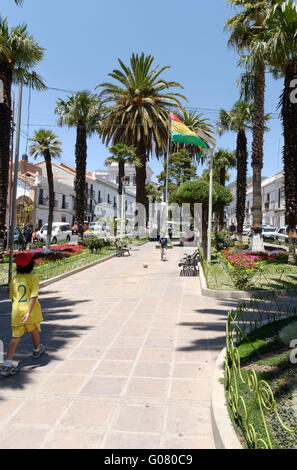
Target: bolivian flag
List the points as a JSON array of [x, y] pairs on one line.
[[182, 134]]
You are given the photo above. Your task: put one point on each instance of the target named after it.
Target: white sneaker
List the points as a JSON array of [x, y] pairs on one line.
[[9, 371], [40, 351]]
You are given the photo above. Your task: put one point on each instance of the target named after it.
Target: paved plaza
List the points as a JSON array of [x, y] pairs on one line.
[[130, 353]]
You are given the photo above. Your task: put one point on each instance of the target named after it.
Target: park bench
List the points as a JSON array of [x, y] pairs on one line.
[[121, 248], [189, 264]]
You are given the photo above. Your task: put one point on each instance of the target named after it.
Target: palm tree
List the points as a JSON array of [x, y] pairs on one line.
[[196, 122], [19, 53], [224, 159], [83, 111], [238, 120], [122, 154], [244, 26], [18, 2], [46, 144], [139, 102], [280, 46]]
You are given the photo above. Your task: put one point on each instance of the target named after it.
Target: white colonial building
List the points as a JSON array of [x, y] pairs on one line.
[[273, 202]]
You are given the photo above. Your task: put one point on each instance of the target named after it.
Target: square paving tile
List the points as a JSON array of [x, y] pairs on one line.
[[104, 386], [87, 414], [152, 369], [62, 384], [73, 440], [140, 387], [114, 368], [122, 440], [199, 442], [188, 421], [121, 354], [195, 390], [76, 366], [142, 418], [39, 412], [18, 437], [156, 355], [8, 408]]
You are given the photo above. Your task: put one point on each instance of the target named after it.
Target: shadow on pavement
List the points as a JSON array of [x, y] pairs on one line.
[[54, 336]]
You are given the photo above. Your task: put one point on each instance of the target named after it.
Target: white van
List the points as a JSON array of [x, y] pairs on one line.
[[61, 232]]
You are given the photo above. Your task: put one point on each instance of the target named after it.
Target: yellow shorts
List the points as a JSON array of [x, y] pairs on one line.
[[18, 331]]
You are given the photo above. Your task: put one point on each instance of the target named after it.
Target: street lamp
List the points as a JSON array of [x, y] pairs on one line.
[[122, 207]]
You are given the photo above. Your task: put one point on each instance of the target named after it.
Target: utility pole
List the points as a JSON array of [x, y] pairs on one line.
[[210, 207], [122, 208], [15, 179]]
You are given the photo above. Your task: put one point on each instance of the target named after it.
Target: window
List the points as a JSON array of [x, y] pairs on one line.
[[63, 218], [64, 203], [127, 180], [99, 197], [108, 198], [134, 180], [279, 198], [40, 199]]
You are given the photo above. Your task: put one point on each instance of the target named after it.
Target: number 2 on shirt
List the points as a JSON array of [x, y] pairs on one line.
[[24, 293]]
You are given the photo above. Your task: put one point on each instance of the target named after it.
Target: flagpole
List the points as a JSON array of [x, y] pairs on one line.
[[167, 162], [210, 207]]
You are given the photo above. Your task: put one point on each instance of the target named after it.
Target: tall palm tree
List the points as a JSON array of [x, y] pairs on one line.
[[195, 122], [83, 111], [122, 154], [238, 120], [18, 2], [243, 27], [139, 102], [46, 144], [279, 44], [19, 53], [224, 159]]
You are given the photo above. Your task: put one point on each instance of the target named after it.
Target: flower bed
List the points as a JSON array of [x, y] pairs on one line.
[[56, 252], [249, 259]]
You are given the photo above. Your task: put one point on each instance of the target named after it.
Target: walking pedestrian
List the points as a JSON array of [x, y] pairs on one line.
[[26, 313], [163, 246]]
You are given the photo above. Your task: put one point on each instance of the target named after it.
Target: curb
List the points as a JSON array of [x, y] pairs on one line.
[[221, 294], [232, 294], [222, 428]]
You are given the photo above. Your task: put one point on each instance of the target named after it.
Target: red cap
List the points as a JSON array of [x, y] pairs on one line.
[[23, 259]]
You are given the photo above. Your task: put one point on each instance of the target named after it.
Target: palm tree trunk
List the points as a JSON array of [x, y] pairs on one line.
[[241, 156], [257, 152], [5, 133], [121, 175], [222, 182], [51, 202], [80, 182], [141, 197], [289, 122]]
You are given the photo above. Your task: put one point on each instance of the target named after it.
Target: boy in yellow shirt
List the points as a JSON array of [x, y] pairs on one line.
[[26, 311]]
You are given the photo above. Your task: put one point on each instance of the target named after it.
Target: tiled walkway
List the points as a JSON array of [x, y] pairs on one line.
[[130, 351]]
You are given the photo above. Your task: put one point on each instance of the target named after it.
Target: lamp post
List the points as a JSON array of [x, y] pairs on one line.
[[122, 207], [15, 179], [210, 207]]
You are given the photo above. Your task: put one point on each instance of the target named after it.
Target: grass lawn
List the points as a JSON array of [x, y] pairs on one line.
[[275, 274], [263, 352]]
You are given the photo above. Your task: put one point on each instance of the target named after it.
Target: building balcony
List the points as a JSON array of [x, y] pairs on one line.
[[90, 208]]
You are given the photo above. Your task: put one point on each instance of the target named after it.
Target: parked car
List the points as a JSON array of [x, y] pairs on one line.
[[282, 234], [61, 232], [269, 233], [96, 231], [247, 230]]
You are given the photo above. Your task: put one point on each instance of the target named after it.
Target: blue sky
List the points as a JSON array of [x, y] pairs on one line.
[[83, 40]]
